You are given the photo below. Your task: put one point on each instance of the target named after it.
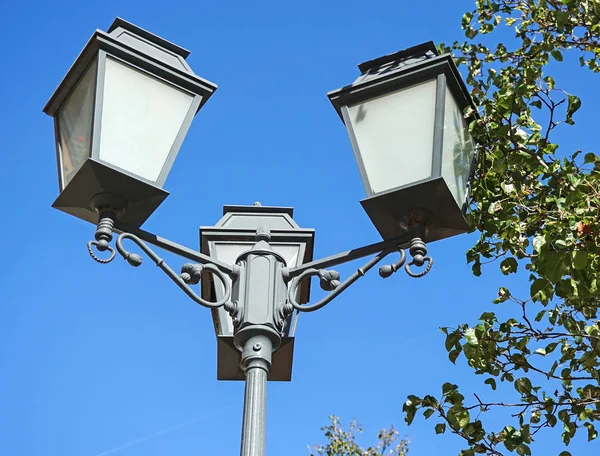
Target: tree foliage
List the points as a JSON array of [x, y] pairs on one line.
[[343, 443], [537, 209]]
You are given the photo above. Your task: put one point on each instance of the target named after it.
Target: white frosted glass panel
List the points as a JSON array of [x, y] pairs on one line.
[[394, 134], [227, 253], [141, 117], [75, 126], [289, 253], [457, 151]]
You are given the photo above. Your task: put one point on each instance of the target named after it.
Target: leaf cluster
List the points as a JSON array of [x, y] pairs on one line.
[[343, 442], [537, 211]]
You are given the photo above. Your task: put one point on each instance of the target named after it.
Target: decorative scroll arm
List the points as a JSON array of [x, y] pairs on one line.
[[329, 280], [389, 269], [189, 272]]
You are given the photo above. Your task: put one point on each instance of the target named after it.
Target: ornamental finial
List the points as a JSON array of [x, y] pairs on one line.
[[263, 233]]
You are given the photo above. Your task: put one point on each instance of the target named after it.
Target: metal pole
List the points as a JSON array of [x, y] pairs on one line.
[[256, 362]]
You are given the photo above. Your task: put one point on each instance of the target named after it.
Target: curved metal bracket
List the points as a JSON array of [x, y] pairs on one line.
[[389, 269], [136, 260], [329, 281]]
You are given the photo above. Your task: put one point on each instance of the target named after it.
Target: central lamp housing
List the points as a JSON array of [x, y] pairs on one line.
[[233, 235]]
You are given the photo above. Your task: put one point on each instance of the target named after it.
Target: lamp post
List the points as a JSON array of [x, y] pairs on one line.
[[121, 114]]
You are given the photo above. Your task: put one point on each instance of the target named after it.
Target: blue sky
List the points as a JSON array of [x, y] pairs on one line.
[[107, 360]]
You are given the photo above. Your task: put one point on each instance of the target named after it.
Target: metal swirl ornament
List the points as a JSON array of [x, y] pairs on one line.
[[418, 250], [101, 248], [418, 275], [389, 269], [189, 272]]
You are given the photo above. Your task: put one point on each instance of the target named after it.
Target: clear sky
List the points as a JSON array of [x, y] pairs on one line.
[[109, 360]]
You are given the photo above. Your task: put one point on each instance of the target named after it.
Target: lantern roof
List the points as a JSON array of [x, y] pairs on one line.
[[240, 223], [401, 69], [413, 55], [251, 217], [138, 47]]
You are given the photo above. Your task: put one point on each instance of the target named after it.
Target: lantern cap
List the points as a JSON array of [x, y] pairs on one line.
[[401, 69], [403, 57], [138, 47], [121, 25], [258, 208]]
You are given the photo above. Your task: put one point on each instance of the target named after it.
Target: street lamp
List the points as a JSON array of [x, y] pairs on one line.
[[404, 116], [121, 114]]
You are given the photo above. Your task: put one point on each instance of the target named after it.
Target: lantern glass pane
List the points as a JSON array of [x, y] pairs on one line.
[[74, 127], [394, 135], [458, 150], [141, 118]]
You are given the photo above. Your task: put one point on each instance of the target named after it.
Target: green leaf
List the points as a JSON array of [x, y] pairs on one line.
[[452, 339], [454, 354], [574, 103], [580, 259], [466, 20], [503, 295], [557, 55], [538, 242], [508, 188], [485, 316], [470, 33], [491, 382], [447, 387], [463, 418], [541, 290], [427, 413], [554, 267], [523, 385], [509, 265], [476, 269], [592, 433], [561, 19], [564, 453], [471, 337], [440, 428], [540, 315], [590, 158]]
